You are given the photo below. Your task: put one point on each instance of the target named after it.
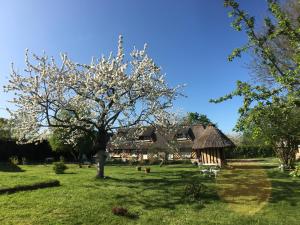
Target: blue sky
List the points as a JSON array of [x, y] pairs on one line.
[[189, 39]]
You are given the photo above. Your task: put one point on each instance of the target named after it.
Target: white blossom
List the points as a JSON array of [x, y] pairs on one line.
[[102, 96]]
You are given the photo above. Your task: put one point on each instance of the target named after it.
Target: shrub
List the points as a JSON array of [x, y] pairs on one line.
[[138, 168], [147, 170], [14, 160], [295, 172], [59, 167], [194, 192]]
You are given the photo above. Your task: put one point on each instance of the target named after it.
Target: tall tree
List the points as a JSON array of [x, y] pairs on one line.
[[280, 66], [102, 96]]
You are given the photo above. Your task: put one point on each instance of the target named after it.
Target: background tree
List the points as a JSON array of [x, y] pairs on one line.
[[196, 118], [5, 129], [102, 96], [276, 126], [58, 141], [278, 65]]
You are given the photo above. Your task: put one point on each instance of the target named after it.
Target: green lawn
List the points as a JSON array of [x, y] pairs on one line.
[[252, 193]]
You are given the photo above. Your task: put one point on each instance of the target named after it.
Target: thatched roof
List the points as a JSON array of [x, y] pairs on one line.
[[197, 129], [198, 137], [212, 137]]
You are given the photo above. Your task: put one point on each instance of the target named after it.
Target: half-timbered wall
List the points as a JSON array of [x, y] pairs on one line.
[[211, 156]]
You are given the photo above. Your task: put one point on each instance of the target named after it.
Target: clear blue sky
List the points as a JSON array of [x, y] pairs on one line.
[[189, 39]]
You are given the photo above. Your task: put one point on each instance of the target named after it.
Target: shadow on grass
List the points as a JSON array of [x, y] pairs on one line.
[[10, 167], [284, 188], [164, 190]]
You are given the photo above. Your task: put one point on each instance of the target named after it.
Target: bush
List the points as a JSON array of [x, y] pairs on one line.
[[138, 168], [147, 170], [295, 172], [194, 192], [14, 160], [59, 167]]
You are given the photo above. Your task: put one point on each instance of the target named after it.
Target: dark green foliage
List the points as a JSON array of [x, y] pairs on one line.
[[29, 187], [194, 192], [241, 152], [196, 118], [138, 168], [59, 167], [147, 170], [83, 145], [35, 152]]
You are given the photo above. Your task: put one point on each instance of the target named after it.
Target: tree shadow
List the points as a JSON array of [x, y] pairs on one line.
[[284, 188], [164, 191], [10, 167]]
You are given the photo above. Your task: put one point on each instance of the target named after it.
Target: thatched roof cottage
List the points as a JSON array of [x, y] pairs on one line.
[[195, 142]]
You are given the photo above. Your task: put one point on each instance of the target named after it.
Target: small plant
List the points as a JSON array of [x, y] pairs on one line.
[[24, 161], [14, 160], [194, 192], [138, 168], [147, 170], [59, 167], [295, 172], [119, 211]]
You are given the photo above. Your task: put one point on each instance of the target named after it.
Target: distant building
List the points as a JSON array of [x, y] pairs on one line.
[[195, 142]]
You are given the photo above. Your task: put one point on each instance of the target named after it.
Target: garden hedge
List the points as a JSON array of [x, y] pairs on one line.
[[29, 187]]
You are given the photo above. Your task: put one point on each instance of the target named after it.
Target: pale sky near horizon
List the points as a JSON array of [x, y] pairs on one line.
[[189, 39]]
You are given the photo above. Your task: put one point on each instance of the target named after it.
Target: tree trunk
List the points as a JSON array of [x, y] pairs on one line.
[[101, 144], [286, 152]]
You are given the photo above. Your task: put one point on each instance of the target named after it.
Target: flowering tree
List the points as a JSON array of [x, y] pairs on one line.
[[102, 96]]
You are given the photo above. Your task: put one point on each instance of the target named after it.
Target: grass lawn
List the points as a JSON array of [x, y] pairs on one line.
[[246, 193]]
